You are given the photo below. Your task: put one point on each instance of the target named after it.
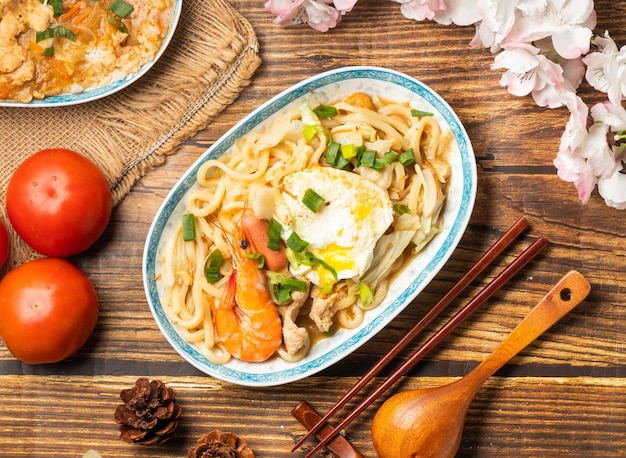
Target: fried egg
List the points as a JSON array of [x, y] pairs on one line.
[[343, 232]]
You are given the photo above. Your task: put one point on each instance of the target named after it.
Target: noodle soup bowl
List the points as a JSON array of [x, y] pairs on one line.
[[407, 283]]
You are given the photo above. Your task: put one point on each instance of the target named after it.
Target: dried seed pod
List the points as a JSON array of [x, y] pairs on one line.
[[149, 414], [218, 444]]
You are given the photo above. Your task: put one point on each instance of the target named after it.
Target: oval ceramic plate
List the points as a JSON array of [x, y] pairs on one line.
[[103, 91], [404, 289]]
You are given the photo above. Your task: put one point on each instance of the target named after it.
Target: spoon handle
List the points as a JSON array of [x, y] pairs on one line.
[[562, 298]]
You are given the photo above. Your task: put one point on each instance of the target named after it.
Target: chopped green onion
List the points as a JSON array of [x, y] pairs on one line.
[[281, 294], [296, 243], [308, 116], [312, 200], [121, 8], [325, 111], [341, 162], [274, 229], [368, 158], [48, 52], [332, 153], [118, 25], [310, 259], [390, 157], [417, 113], [401, 209], [359, 152], [333, 157], [258, 257], [348, 151], [282, 286], [329, 135], [331, 331], [293, 284], [378, 164], [387, 159], [57, 6], [53, 32], [295, 259], [407, 158], [365, 295], [189, 227], [212, 267], [309, 132]]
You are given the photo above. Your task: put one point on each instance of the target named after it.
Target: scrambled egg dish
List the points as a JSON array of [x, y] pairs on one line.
[[50, 47]]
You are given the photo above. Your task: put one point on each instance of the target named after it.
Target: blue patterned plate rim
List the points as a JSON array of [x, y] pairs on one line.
[[90, 95], [456, 217]]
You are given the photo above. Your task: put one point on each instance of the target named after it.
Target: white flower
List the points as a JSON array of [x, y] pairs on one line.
[[606, 69], [597, 152], [612, 182], [613, 188], [497, 20], [568, 22], [611, 114]]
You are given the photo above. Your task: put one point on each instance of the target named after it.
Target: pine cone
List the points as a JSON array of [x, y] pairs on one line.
[[149, 414], [217, 444]]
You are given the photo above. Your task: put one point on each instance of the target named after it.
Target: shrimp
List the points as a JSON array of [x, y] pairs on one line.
[[246, 319]]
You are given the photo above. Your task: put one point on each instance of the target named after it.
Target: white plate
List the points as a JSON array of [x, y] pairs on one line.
[[103, 91], [404, 289]]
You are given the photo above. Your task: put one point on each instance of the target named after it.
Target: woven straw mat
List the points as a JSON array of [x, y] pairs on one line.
[[212, 56]]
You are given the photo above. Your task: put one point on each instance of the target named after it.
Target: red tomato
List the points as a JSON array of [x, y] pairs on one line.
[[4, 244], [49, 309], [59, 202]]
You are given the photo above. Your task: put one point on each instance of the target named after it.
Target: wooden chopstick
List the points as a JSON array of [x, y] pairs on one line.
[[457, 319], [339, 446], [485, 260]]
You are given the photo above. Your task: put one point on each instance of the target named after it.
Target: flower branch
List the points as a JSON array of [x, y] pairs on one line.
[[545, 48]]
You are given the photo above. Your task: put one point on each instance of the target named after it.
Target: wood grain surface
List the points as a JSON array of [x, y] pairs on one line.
[[564, 395]]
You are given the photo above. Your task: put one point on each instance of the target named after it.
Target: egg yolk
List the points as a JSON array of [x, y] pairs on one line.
[[337, 257]]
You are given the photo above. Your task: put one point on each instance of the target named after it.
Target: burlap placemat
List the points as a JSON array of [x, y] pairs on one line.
[[212, 56]]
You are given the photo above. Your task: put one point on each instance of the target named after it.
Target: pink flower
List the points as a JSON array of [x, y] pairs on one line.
[[543, 46], [570, 163], [528, 71], [586, 158], [460, 12], [421, 9], [321, 15]]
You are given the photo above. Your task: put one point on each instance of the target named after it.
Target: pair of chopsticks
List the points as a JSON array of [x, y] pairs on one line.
[[485, 260]]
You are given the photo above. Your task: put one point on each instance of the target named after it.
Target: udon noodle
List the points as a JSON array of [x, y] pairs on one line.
[[246, 178]]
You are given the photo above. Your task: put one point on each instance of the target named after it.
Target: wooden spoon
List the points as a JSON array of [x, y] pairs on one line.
[[429, 422]]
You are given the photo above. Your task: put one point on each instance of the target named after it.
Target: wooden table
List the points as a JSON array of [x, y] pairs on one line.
[[565, 395]]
